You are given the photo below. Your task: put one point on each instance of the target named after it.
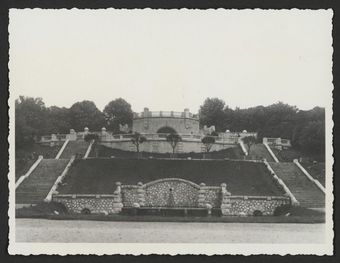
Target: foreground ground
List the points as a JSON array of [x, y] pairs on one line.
[[41, 230]]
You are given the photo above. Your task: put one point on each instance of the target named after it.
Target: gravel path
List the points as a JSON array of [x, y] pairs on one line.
[[40, 230]]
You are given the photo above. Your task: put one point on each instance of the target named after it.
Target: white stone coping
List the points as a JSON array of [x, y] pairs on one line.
[[88, 150], [48, 198], [285, 188], [98, 196], [271, 152], [75, 196], [198, 187], [62, 149], [243, 147], [313, 180], [254, 197], [23, 177]]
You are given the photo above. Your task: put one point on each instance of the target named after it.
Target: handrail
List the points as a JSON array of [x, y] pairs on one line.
[[88, 150], [62, 149], [313, 180], [285, 187], [32, 168], [48, 198], [243, 147], [271, 152]]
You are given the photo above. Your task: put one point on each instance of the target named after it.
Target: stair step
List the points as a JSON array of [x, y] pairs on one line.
[[301, 187], [37, 185]]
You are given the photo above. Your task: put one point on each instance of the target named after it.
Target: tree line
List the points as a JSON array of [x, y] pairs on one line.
[[33, 119], [306, 129]]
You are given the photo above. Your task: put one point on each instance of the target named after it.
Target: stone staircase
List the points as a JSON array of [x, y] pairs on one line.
[[259, 151], [73, 148], [305, 191], [35, 188]]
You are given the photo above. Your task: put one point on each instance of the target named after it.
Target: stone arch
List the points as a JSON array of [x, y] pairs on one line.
[[171, 192], [166, 129]]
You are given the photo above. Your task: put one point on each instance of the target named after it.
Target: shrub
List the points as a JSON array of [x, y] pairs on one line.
[[282, 210], [86, 211], [257, 213], [91, 136]]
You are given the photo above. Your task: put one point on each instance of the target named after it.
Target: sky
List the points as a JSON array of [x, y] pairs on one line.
[[172, 59]]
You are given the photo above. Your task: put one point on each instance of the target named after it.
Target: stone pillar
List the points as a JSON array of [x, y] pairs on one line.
[[146, 112], [103, 134], [202, 195], [141, 194], [117, 199], [146, 118], [186, 113], [225, 203], [72, 136], [54, 137]]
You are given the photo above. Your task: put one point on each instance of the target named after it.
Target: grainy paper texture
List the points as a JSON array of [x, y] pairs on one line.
[[169, 60]]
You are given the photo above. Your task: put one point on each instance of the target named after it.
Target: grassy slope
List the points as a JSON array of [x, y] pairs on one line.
[[24, 158], [231, 153], [100, 175]]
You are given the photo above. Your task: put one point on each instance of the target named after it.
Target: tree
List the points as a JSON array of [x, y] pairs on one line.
[[312, 137], [86, 114], [208, 142], [30, 120], [173, 139], [249, 141], [59, 120], [212, 113], [137, 139], [118, 112]]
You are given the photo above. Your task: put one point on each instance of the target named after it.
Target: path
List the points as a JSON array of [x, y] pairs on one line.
[[40, 230]]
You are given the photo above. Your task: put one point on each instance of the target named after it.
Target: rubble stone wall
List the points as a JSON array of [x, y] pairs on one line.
[[246, 206], [96, 204]]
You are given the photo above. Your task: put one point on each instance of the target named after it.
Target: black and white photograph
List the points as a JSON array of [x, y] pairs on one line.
[[183, 131]]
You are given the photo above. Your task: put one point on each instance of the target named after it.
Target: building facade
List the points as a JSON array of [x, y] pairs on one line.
[[152, 122]]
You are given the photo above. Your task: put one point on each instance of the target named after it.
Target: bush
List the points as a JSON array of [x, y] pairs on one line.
[[282, 210], [86, 211], [257, 213], [91, 136]]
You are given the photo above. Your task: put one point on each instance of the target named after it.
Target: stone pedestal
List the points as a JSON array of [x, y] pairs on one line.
[[141, 194], [225, 203], [202, 195], [117, 199]]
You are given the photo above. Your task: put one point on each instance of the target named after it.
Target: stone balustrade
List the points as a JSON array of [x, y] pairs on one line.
[[278, 143], [167, 114]]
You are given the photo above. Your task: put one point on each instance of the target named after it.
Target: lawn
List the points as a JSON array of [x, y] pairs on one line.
[[230, 153], [98, 176]]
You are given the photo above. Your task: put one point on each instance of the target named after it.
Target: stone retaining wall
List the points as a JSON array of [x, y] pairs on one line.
[[106, 204], [172, 193], [94, 203], [243, 205]]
